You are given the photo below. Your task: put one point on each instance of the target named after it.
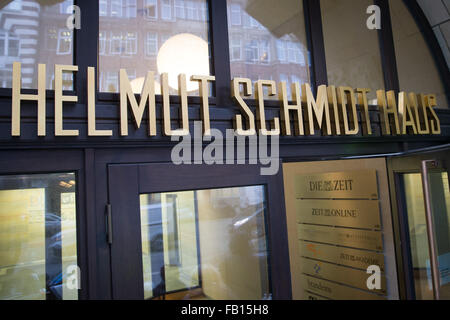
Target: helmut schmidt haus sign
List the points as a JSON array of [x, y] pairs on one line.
[[333, 110]]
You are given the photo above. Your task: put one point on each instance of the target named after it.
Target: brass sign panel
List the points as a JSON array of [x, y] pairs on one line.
[[341, 274], [312, 296], [344, 256], [336, 291], [361, 184], [363, 214], [359, 239]]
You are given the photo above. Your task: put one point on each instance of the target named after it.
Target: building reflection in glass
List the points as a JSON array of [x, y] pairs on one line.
[[33, 32], [132, 32], [267, 41]]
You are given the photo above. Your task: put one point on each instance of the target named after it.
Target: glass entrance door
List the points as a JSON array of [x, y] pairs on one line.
[[196, 232], [423, 200]]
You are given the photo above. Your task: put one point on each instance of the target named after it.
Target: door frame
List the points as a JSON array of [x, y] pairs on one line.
[[165, 177], [409, 162], [19, 162]]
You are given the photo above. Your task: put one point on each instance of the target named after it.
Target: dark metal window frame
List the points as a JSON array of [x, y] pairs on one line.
[[56, 161], [192, 178], [396, 167]]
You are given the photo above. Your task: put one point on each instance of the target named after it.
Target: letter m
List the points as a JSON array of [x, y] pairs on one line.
[[317, 107], [127, 94]]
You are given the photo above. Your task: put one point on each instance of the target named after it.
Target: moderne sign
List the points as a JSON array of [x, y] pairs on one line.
[[334, 110]]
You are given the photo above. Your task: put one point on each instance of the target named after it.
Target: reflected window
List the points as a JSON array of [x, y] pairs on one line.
[[417, 71], [64, 42], [179, 9], [153, 41], [191, 9], [102, 43], [265, 45], [236, 47], [103, 7], [205, 244], [151, 9], [52, 39], [115, 43], [130, 8], [38, 248], [166, 9], [252, 51], [14, 5], [64, 7], [116, 8], [235, 14], [33, 32], [352, 52], [9, 44], [131, 43]]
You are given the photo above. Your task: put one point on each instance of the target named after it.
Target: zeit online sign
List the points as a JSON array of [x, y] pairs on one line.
[[333, 110]]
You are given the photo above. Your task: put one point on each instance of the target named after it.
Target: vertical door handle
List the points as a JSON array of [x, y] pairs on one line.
[[434, 263], [109, 233]]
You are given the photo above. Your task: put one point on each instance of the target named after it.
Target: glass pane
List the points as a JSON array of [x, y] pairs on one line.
[[33, 32], [38, 248], [351, 49], [205, 244], [440, 197], [153, 35], [417, 71], [268, 42]]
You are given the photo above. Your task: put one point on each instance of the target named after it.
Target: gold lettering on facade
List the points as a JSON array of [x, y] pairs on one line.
[[204, 94], [388, 109], [92, 131], [147, 94], [317, 108], [405, 114], [346, 96], [286, 107], [364, 105], [418, 102], [60, 98], [333, 110], [183, 111], [260, 113], [17, 97], [250, 118], [435, 122]]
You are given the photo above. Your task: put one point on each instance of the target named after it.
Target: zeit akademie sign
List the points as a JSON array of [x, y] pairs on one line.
[[334, 110]]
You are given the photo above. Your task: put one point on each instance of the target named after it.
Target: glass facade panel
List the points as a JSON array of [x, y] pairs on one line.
[[417, 71], [351, 49], [415, 208], [205, 244], [267, 41], [38, 237], [153, 35], [33, 32]]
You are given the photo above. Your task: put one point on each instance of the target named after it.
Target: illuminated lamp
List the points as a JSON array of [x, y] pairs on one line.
[[183, 53]]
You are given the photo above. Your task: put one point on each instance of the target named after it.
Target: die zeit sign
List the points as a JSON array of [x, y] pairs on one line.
[[333, 110]]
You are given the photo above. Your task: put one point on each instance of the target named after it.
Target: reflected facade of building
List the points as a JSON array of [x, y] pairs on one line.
[[263, 46], [32, 33], [132, 32]]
